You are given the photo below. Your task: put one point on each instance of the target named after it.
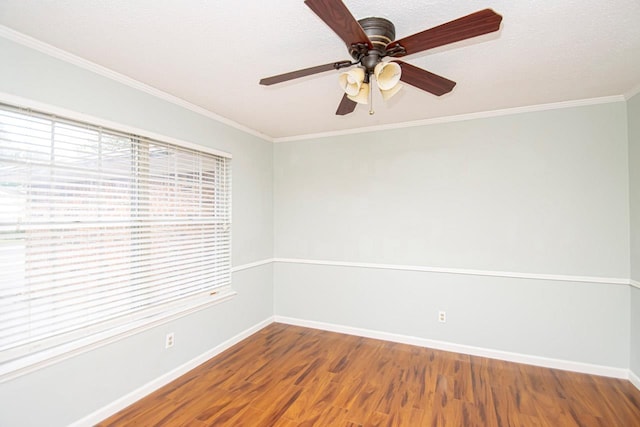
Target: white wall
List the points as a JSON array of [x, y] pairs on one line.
[[633, 110], [69, 390], [539, 193]]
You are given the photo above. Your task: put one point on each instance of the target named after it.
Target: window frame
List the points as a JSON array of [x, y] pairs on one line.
[[37, 360]]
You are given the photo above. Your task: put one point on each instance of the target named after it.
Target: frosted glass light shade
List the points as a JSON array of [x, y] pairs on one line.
[[351, 81], [363, 95], [387, 94], [387, 74]]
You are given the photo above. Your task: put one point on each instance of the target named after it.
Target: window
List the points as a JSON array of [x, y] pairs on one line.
[[101, 230]]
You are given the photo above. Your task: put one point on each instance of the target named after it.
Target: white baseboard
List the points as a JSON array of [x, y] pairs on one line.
[[132, 397], [566, 365], [634, 379], [137, 394]]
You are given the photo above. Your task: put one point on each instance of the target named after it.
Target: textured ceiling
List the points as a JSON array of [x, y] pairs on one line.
[[213, 53]]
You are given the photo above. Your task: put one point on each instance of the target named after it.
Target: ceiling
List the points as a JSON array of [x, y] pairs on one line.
[[213, 53]]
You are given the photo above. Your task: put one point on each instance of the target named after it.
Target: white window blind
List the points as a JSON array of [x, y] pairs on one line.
[[100, 229]]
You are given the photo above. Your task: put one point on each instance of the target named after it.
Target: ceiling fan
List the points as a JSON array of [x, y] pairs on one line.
[[370, 40]]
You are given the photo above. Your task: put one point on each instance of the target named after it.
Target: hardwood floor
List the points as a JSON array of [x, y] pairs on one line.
[[291, 376]]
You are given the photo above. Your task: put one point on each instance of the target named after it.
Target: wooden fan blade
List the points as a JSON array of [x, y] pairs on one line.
[[478, 23], [425, 80], [346, 106], [336, 15], [267, 81]]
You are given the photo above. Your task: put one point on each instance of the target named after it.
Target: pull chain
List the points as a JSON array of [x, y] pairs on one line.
[[371, 112]]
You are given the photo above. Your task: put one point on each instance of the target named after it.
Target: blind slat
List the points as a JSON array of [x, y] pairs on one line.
[[100, 229]]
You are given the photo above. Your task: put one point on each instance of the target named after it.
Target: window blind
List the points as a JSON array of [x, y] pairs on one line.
[[100, 228]]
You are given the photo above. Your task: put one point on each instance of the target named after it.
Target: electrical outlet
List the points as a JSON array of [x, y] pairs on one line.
[[442, 316], [169, 340]]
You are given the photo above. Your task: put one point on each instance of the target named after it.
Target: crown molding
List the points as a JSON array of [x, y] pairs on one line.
[[632, 92], [459, 118], [65, 56]]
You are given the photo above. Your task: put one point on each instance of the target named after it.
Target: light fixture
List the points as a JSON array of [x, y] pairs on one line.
[[356, 82], [387, 74], [362, 97], [351, 81], [387, 94]]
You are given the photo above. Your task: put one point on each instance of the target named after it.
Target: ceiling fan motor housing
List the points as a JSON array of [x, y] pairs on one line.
[[381, 32]]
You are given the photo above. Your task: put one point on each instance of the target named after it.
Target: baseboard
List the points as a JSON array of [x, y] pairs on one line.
[[126, 400], [132, 397], [634, 379], [565, 365]]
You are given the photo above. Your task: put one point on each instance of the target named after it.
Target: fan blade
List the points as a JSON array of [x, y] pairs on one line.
[[346, 106], [478, 23], [267, 81], [336, 15], [425, 80]]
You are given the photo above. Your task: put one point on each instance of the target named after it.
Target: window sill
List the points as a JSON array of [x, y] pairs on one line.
[[25, 365]]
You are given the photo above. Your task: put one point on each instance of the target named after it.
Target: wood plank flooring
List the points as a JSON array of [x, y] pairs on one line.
[[291, 376]]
